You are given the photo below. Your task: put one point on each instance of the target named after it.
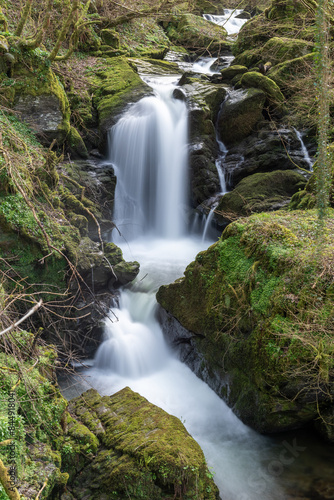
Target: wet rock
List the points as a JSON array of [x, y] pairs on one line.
[[239, 115], [266, 150], [261, 192], [203, 171]]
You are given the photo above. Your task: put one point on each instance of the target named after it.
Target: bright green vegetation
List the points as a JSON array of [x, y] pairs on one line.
[[260, 304]]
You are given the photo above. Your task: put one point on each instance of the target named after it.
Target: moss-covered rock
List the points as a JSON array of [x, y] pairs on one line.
[[260, 192], [253, 79], [286, 72], [239, 115], [115, 84], [280, 49], [227, 74], [143, 37], [258, 309], [146, 452], [42, 103], [197, 35], [96, 268]]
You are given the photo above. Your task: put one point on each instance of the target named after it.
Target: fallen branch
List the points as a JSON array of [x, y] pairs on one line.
[[17, 323]]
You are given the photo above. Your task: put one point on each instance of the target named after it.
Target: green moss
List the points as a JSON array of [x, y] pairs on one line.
[[147, 452], [229, 73], [261, 192], [143, 37], [196, 34], [113, 82], [288, 71], [253, 79], [280, 49]]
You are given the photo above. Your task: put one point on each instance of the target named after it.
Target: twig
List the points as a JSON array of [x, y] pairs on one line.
[[17, 323]]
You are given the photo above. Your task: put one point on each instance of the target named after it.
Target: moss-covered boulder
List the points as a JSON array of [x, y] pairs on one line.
[[42, 103], [280, 49], [116, 84], [240, 114], [275, 98], [227, 74], [257, 307], [144, 452], [260, 192], [285, 73], [142, 37], [101, 268], [197, 35]]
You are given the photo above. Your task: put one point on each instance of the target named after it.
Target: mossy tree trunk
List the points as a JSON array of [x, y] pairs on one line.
[[5, 480], [322, 65]]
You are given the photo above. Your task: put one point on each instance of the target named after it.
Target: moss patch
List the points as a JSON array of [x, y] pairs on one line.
[[197, 35]]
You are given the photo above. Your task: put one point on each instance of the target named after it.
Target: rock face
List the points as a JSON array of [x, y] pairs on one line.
[[204, 101], [142, 452], [248, 315], [267, 150], [41, 113]]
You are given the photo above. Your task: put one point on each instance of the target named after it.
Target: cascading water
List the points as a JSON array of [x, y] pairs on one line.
[[148, 148], [304, 150], [134, 352], [228, 20]]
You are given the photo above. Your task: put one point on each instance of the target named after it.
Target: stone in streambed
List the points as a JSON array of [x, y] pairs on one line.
[[144, 452]]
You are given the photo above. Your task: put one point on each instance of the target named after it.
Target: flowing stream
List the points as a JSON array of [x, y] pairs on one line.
[[148, 149]]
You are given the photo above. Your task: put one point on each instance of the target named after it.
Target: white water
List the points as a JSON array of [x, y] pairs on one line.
[[148, 148], [228, 20], [134, 352], [304, 150]]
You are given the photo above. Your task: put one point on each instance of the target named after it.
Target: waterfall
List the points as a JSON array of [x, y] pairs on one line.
[[304, 150], [228, 20], [148, 148]]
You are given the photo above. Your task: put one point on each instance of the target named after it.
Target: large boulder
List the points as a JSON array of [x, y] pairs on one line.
[[260, 192], [275, 98], [143, 452], [253, 317], [42, 103], [240, 114]]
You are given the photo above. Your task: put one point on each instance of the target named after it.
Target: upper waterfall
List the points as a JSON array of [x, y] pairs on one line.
[[148, 148]]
